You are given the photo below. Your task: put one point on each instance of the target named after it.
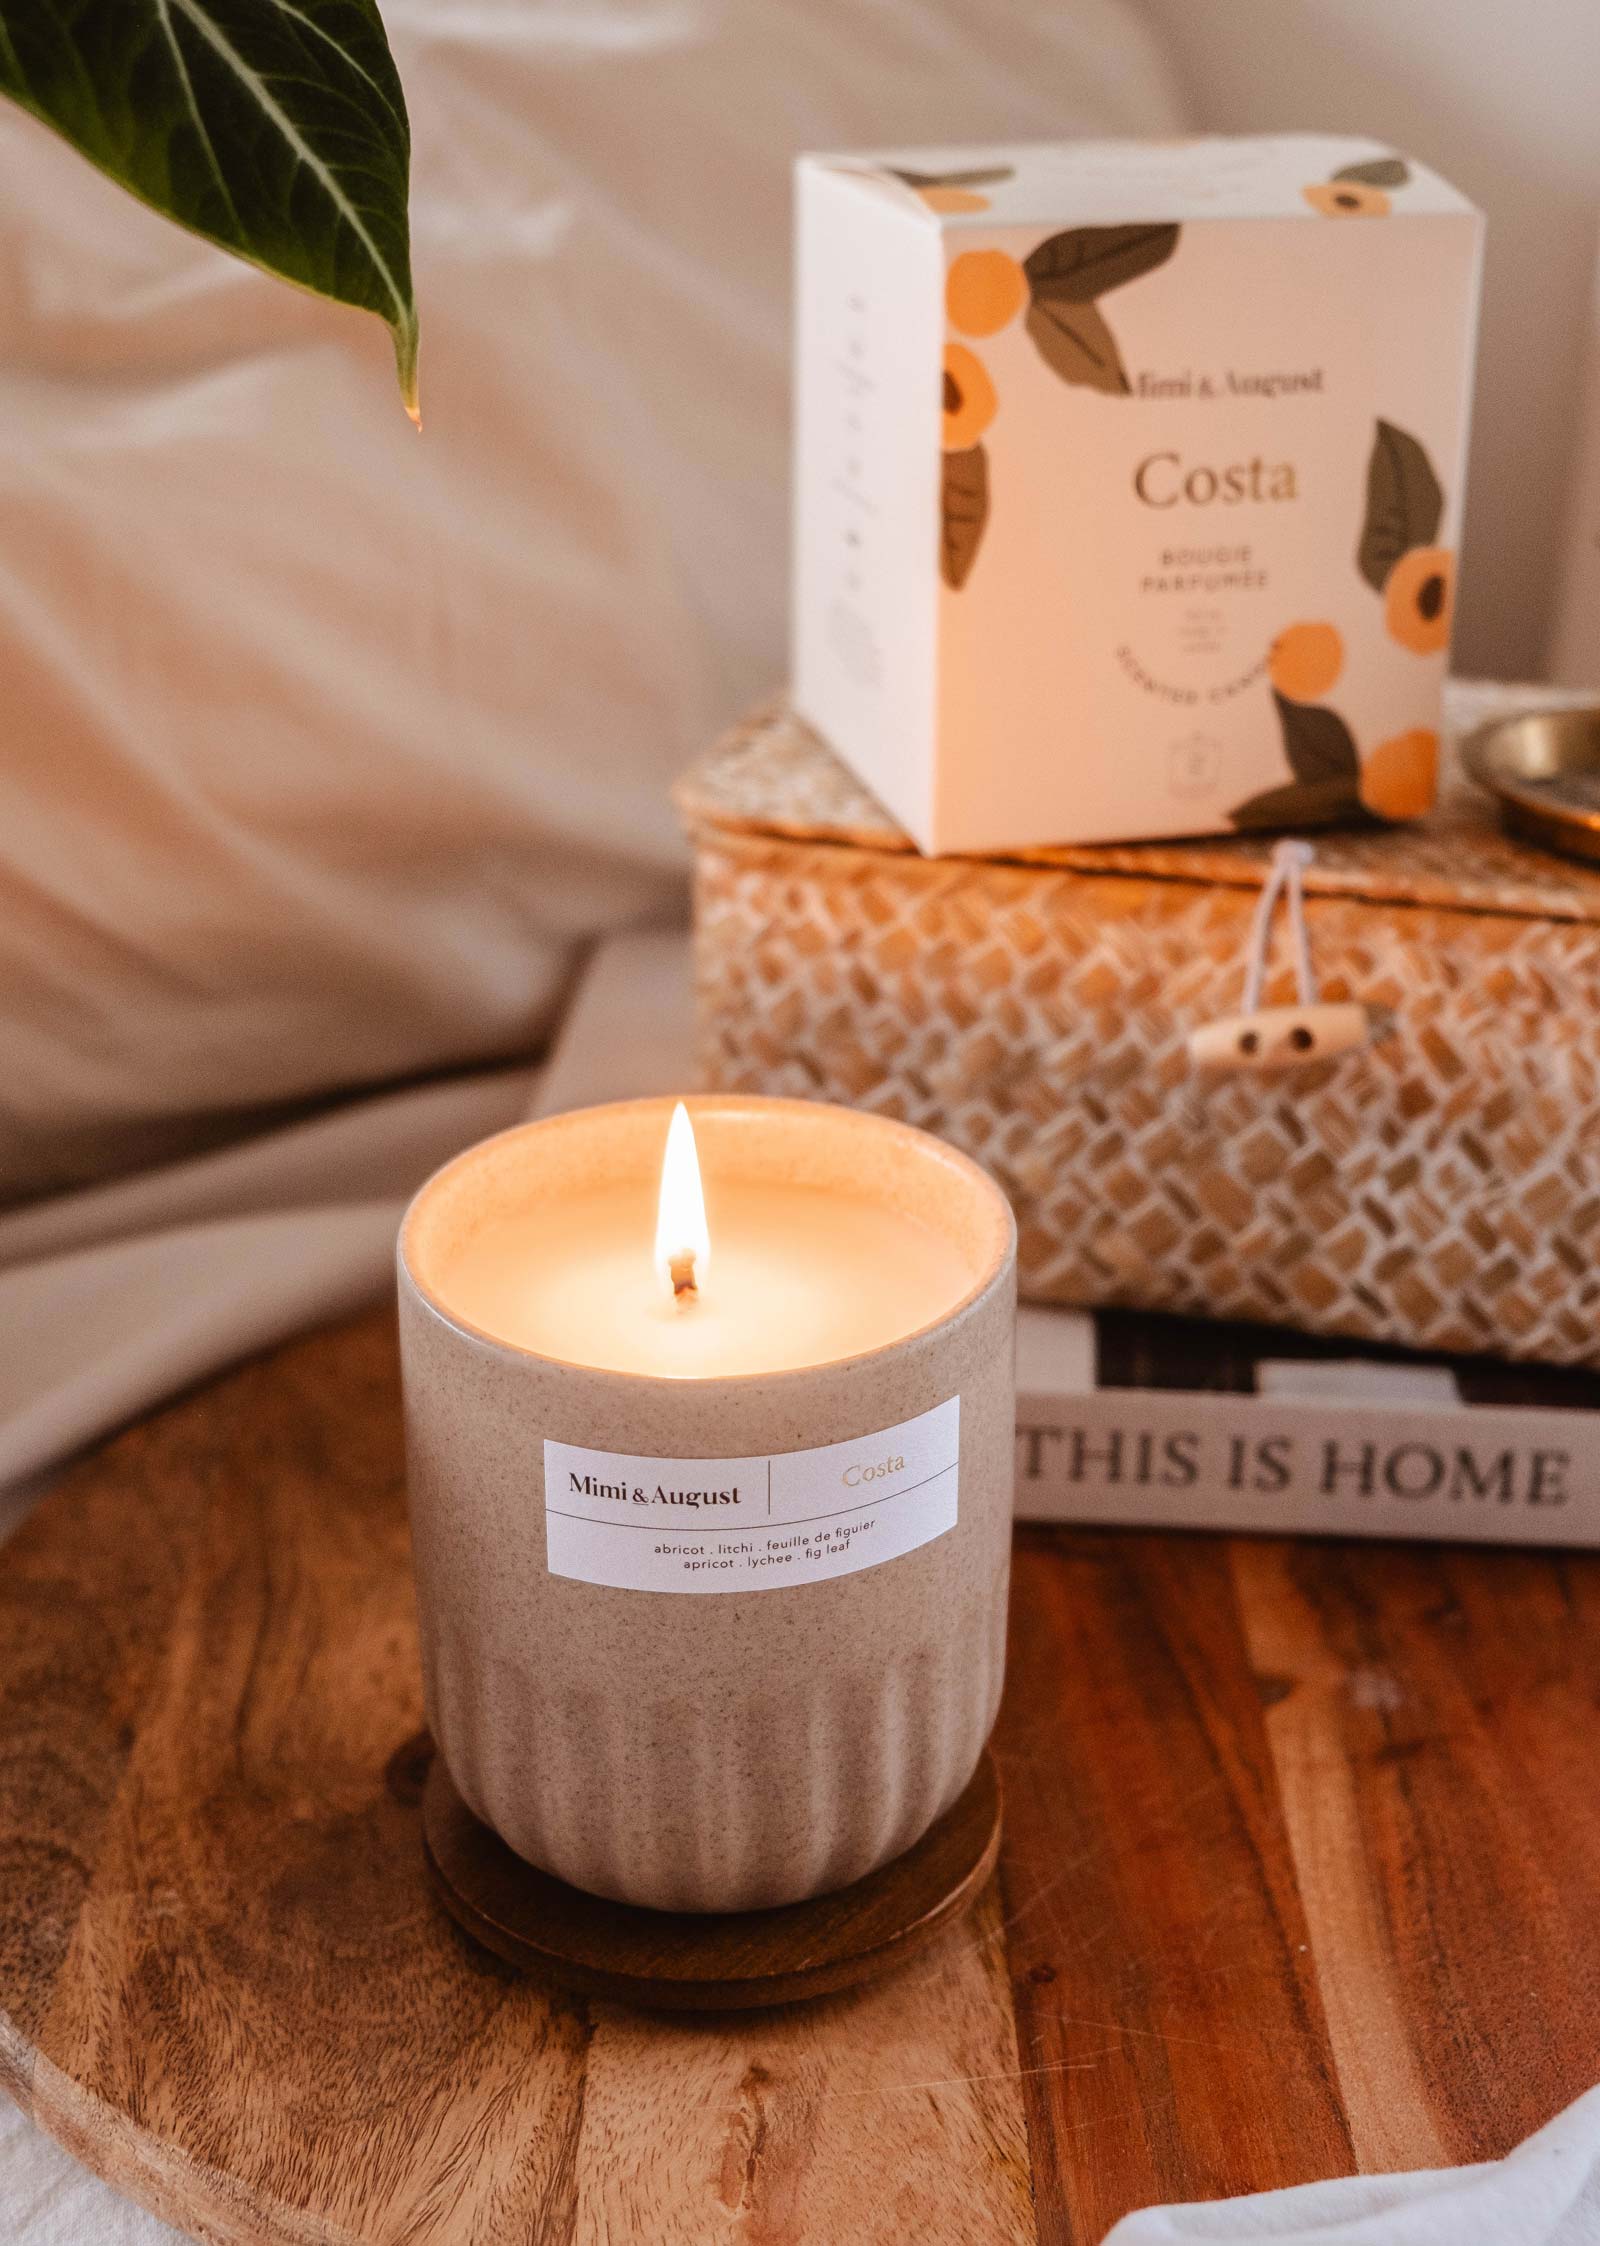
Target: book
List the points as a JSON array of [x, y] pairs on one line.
[[1137, 1420], [1133, 1419]]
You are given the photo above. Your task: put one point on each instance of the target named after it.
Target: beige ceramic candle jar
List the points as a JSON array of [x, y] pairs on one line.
[[712, 1588]]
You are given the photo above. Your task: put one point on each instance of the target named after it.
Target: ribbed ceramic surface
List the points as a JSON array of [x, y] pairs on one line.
[[717, 1798], [1439, 1187]]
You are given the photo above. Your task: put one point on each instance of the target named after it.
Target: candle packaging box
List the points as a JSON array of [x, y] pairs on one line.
[[1128, 482]]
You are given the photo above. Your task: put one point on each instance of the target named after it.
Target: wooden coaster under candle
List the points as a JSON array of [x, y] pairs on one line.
[[710, 1961]]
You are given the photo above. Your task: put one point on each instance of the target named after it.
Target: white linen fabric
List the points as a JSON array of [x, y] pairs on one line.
[[121, 1294], [326, 746], [48, 2200], [1546, 2193]]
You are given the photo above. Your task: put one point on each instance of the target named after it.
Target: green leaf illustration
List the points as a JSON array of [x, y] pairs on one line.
[[1377, 171], [1317, 743], [1075, 342], [1302, 803], [985, 175], [275, 128], [963, 512], [1081, 264], [1404, 503]]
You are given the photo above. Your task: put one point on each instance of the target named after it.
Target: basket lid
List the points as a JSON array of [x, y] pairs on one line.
[[772, 775]]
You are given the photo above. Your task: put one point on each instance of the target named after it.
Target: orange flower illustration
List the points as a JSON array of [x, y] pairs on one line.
[[1347, 198], [1398, 776], [1305, 660], [969, 398], [1357, 190], [1419, 598], [983, 290]]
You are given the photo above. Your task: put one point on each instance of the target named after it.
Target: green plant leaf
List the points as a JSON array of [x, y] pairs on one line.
[[275, 128], [1074, 342], [1084, 262], [963, 513], [1302, 803], [1377, 171], [1317, 743], [1404, 503]]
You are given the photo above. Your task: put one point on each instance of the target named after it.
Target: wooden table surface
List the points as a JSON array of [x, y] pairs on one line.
[[1301, 1875]]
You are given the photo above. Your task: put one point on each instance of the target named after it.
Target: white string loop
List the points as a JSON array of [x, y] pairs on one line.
[[1287, 879]]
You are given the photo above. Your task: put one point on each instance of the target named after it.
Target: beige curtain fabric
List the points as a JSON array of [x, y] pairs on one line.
[[327, 746]]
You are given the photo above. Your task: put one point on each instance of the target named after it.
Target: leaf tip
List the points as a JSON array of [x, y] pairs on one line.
[[405, 360]]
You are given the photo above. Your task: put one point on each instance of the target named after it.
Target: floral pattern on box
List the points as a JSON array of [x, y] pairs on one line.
[[1331, 779]]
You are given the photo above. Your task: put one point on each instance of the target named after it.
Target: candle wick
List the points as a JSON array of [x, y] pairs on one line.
[[680, 1269]]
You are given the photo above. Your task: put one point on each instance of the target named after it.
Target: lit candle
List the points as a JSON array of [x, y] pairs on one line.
[[803, 1271], [756, 1350]]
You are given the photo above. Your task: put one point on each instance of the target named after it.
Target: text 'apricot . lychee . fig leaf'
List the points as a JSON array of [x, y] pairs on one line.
[[275, 128]]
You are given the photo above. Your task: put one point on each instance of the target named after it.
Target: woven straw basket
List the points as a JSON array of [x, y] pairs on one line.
[[1439, 1186]]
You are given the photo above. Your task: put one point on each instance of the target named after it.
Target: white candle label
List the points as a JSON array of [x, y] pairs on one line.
[[751, 1524]]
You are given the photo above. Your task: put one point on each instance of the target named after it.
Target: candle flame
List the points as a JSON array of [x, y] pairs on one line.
[[683, 1244]]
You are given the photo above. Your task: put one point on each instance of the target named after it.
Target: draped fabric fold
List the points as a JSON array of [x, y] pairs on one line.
[[116, 1297]]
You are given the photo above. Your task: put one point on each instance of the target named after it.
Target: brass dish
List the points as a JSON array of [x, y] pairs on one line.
[[1544, 767]]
